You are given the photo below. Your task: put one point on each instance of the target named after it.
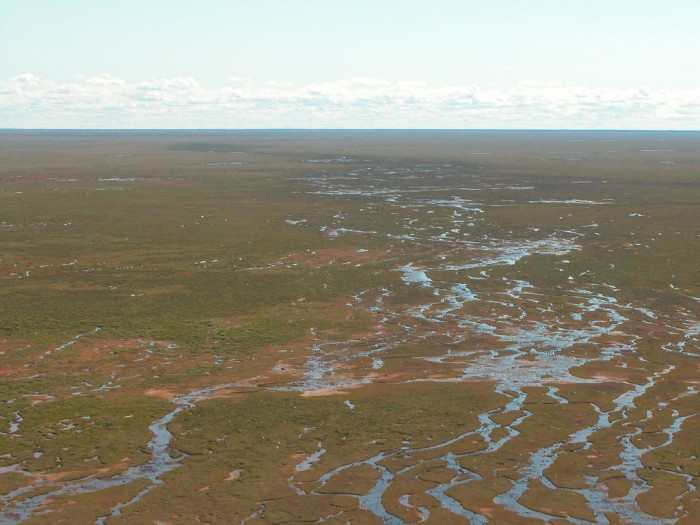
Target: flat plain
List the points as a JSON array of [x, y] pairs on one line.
[[349, 327]]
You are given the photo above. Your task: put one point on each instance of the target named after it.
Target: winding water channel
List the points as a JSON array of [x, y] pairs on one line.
[[534, 339]]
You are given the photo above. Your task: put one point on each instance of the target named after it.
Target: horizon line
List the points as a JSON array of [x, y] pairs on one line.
[[597, 130]]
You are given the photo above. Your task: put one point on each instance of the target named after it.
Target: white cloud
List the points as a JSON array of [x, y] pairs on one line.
[[106, 101], [105, 80]]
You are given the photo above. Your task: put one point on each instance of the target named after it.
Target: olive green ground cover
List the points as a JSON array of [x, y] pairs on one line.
[[187, 265]]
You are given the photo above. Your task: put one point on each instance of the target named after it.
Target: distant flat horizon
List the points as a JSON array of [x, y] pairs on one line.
[[368, 130]]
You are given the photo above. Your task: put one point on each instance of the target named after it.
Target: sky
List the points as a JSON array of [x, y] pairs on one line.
[[466, 64]]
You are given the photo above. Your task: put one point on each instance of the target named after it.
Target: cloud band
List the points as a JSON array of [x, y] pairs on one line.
[[27, 101]]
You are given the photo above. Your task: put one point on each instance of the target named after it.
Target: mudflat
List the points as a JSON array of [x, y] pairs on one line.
[[349, 327]]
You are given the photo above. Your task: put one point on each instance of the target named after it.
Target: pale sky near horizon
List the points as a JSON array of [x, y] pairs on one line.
[[353, 63]]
